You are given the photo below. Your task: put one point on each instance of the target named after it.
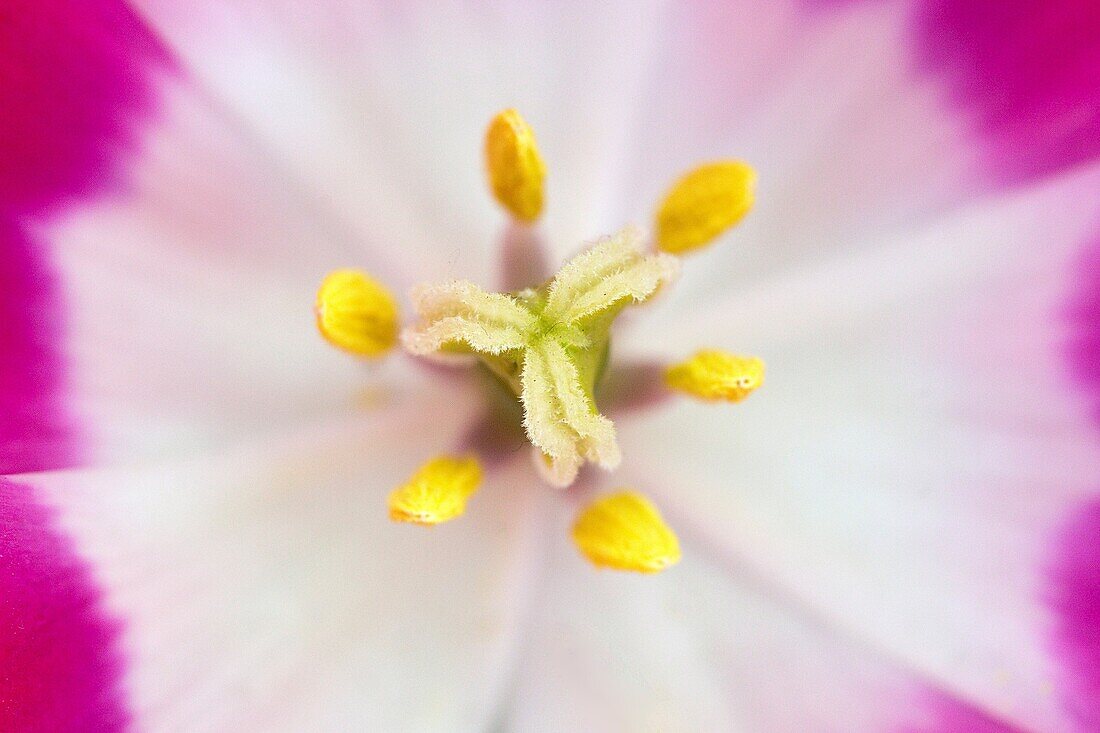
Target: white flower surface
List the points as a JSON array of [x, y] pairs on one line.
[[867, 541]]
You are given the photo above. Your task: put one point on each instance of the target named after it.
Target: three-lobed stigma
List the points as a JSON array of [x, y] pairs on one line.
[[548, 344]]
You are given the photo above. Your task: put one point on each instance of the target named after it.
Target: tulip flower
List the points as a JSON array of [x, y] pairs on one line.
[[519, 366]]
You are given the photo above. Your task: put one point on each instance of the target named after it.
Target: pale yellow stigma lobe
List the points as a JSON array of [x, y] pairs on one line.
[[548, 345], [437, 492], [624, 531], [703, 204], [357, 313], [713, 375], [515, 168]]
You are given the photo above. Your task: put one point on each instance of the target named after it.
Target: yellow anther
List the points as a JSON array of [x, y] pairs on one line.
[[437, 492], [625, 531], [703, 204], [357, 313], [717, 375], [515, 168]]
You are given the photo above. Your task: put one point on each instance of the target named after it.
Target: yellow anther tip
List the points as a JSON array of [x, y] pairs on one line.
[[437, 492], [624, 531], [717, 375], [704, 203], [357, 313], [515, 168]]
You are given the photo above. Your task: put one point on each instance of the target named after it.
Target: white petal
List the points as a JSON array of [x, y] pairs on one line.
[[917, 445], [189, 291], [384, 108], [265, 589], [849, 138], [704, 646]]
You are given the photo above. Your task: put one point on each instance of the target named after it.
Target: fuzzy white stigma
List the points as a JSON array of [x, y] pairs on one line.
[[548, 345]]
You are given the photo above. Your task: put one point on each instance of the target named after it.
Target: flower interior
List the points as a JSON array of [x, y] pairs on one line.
[[550, 344]]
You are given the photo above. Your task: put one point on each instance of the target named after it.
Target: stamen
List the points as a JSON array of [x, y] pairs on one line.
[[717, 375], [357, 313], [437, 492], [703, 204], [515, 168], [625, 531]]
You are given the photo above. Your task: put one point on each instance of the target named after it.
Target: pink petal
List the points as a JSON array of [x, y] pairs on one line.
[[1025, 72], [862, 119], [38, 430], [75, 78], [190, 293], [176, 311], [59, 666], [264, 588], [708, 645], [938, 712], [1074, 595], [849, 141], [382, 107], [1083, 313], [917, 447]]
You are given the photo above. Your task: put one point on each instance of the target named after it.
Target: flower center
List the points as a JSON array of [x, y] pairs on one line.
[[549, 345]]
